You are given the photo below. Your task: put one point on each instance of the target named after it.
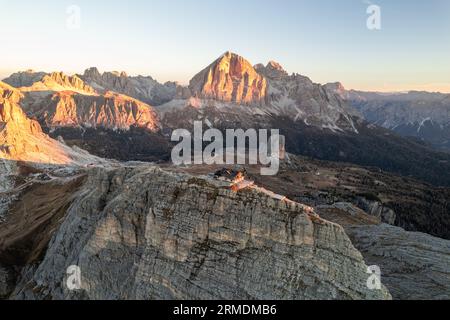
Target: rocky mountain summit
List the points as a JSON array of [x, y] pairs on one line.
[[230, 78]]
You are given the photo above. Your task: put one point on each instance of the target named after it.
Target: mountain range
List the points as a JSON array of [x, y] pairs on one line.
[[134, 116], [422, 115], [76, 188]]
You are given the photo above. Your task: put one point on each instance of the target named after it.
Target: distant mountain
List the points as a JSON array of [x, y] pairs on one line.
[[422, 115], [52, 82], [142, 88], [301, 100]]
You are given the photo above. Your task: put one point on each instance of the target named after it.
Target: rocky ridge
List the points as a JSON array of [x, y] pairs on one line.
[[111, 111], [58, 81], [145, 89]]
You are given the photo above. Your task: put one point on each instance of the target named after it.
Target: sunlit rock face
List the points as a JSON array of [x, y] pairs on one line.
[[22, 139], [111, 111], [146, 89], [58, 81], [230, 78], [11, 115]]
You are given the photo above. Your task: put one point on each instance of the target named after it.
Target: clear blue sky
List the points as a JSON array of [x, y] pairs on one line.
[[326, 40]]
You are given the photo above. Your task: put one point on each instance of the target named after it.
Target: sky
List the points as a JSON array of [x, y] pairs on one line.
[[172, 40]]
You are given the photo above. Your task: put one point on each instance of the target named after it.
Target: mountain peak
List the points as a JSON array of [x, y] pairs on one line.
[[275, 66], [271, 70], [230, 78], [92, 72]]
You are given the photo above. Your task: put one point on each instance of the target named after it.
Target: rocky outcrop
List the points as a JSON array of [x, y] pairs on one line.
[[9, 93], [145, 89], [143, 233], [230, 78], [111, 111], [377, 209], [413, 265]]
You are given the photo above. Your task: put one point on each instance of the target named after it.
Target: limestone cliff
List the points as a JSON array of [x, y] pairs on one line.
[[145, 233]]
